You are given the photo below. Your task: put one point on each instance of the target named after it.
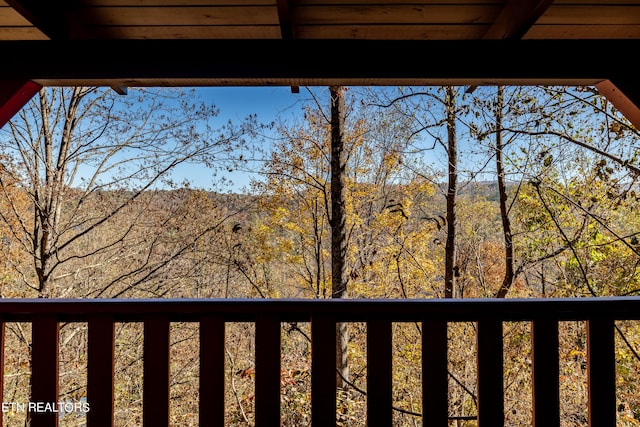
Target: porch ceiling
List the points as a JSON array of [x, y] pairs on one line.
[[318, 19], [123, 43]]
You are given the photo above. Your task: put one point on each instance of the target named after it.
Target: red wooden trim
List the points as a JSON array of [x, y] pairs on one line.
[[100, 371], [44, 371], [601, 372], [323, 371], [13, 96], [490, 374], [212, 398], [267, 371], [546, 371], [622, 98], [435, 386], [155, 400], [379, 373]]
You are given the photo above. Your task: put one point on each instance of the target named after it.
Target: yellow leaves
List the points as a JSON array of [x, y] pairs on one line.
[[297, 163], [390, 218], [577, 354], [391, 160], [596, 255], [280, 215], [292, 226]]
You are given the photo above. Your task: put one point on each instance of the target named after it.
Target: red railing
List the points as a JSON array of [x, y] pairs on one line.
[[268, 315]]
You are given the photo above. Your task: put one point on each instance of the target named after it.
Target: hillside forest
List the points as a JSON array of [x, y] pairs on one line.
[[389, 192]]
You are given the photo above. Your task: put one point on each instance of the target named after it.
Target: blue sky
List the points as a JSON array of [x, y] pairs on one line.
[[267, 102], [236, 103]]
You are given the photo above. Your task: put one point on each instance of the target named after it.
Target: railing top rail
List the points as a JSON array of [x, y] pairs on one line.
[[302, 310]]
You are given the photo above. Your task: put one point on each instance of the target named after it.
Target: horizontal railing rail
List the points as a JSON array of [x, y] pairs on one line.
[[101, 316]]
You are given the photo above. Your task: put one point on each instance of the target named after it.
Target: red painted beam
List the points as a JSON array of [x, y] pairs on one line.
[[626, 98], [13, 96]]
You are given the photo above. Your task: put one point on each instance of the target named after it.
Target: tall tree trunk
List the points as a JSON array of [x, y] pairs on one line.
[[450, 268], [339, 277], [504, 211]]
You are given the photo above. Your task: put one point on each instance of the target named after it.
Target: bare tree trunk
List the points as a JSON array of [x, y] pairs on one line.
[[49, 195], [504, 211], [339, 277], [450, 268]]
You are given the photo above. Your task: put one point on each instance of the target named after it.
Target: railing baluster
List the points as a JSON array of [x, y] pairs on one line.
[[212, 334], [490, 373], [545, 316], [44, 369], [267, 372], [546, 372], [155, 400], [435, 386], [100, 370], [379, 373], [323, 371], [601, 371]]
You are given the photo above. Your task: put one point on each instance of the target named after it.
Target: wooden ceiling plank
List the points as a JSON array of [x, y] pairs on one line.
[[179, 32], [498, 3], [395, 14], [21, 33], [173, 15], [392, 32], [48, 16], [176, 3], [594, 14], [10, 18], [548, 32], [596, 2]]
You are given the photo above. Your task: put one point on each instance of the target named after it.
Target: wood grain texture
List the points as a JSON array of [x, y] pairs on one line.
[[176, 32], [197, 15], [594, 14], [392, 32], [395, 14], [10, 18], [21, 33], [576, 32]]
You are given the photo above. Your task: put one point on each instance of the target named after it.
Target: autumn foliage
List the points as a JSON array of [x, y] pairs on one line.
[[128, 229]]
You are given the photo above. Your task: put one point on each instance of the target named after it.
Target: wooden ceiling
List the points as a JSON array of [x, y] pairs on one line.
[[318, 19], [122, 43]]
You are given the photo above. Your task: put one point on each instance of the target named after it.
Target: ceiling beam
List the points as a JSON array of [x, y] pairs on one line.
[[120, 90], [304, 63], [284, 17], [513, 22], [13, 96], [286, 26], [516, 18]]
